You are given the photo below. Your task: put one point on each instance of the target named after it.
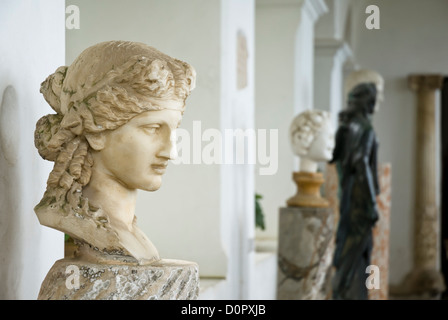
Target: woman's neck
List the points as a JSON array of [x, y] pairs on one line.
[[307, 165], [117, 201]]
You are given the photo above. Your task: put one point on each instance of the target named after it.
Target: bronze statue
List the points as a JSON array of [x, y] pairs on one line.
[[355, 156]]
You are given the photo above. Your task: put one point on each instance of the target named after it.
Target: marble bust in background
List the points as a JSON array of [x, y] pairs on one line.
[[312, 140], [117, 107]]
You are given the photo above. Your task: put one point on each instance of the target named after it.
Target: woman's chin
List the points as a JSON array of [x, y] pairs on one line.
[[321, 157], [152, 186]]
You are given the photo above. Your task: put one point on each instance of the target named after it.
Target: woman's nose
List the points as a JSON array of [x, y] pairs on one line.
[[169, 147]]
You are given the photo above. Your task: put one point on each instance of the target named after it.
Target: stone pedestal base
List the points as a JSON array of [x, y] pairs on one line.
[[381, 233], [427, 283], [308, 190], [72, 279], [305, 253]]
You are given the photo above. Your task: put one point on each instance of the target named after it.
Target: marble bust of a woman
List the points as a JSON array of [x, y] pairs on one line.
[[117, 107], [312, 140]]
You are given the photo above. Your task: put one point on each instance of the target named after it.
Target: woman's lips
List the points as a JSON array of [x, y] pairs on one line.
[[159, 168]]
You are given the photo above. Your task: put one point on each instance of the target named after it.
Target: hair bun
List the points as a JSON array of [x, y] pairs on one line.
[[51, 88], [46, 128]]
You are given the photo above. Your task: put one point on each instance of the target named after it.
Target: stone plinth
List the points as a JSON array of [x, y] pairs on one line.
[[331, 191], [72, 279], [381, 233], [305, 253]]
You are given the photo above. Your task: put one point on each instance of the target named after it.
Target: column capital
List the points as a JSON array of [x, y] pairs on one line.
[[425, 81], [336, 49], [313, 8]]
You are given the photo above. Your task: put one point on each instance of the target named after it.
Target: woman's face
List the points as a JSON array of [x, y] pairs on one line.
[[137, 153], [321, 149]]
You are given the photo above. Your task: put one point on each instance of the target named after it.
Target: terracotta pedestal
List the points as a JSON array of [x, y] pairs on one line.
[[308, 190]]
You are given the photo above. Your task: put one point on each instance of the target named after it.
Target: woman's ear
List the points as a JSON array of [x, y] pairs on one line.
[[96, 140]]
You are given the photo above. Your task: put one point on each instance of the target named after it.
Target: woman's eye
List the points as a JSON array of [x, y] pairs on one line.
[[151, 129]]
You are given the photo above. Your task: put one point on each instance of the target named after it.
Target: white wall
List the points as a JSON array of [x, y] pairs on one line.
[[275, 48], [284, 87], [412, 39], [32, 37]]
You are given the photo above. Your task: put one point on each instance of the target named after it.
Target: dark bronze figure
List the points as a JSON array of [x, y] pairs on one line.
[[355, 156]]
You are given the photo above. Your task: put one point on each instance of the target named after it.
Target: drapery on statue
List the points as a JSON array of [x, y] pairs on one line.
[[355, 156], [117, 107]]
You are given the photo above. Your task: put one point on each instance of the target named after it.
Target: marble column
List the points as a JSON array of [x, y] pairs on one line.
[[426, 215], [305, 253], [425, 276]]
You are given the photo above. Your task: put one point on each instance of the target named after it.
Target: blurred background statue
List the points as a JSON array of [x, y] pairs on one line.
[[312, 139], [355, 155]]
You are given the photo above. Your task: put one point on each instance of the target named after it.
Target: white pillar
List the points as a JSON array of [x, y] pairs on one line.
[[330, 58], [311, 11]]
